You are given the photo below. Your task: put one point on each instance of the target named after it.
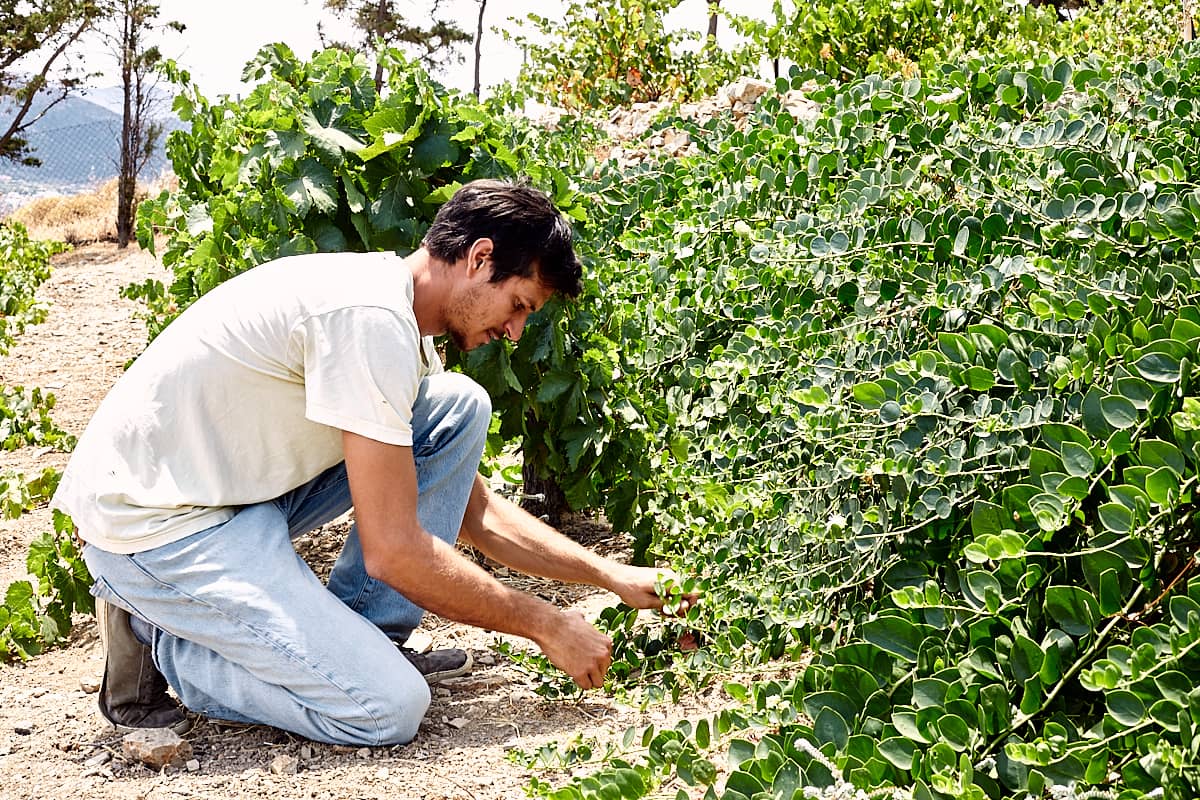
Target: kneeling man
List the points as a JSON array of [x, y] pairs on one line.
[[278, 401]]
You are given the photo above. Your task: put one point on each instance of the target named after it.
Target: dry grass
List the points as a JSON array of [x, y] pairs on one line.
[[82, 218]]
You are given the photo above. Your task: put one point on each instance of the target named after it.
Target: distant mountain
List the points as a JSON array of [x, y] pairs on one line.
[[78, 142]]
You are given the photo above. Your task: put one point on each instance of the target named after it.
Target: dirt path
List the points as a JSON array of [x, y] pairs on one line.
[[52, 743]]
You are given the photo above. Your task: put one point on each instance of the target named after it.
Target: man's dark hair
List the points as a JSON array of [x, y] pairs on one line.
[[526, 230]]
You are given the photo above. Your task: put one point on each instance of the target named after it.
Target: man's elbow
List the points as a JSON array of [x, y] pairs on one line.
[[384, 560]]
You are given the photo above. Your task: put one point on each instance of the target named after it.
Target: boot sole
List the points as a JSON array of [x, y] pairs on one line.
[[447, 674]]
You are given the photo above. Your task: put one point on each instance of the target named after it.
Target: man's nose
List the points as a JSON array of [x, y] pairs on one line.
[[515, 327]]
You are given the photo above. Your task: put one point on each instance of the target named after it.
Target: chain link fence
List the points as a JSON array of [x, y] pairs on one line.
[[74, 158]]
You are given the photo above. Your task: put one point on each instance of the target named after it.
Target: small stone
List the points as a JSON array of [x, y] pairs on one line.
[[363, 752], [156, 747], [23, 727], [458, 723], [38, 692], [382, 773], [284, 764], [192, 765], [487, 660], [99, 760], [305, 753], [745, 91], [90, 684], [442, 692]]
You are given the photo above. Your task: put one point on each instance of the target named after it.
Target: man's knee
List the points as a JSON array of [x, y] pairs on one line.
[[464, 403], [391, 716]]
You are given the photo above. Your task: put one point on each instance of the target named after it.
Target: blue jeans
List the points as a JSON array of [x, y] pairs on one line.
[[244, 631]]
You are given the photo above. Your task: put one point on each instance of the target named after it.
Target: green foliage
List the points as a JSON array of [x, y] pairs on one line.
[[915, 36], [313, 160], [18, 495], [921, 374], [36, 613], [25, 420], [24, 265], [604, 54]]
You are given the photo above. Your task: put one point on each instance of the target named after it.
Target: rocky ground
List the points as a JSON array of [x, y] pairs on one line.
[[54, 745]]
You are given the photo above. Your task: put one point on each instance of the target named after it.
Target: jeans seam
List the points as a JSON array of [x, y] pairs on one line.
[[286, 651], [286, 512]]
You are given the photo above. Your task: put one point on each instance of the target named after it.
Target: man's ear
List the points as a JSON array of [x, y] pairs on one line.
[[478, 255]]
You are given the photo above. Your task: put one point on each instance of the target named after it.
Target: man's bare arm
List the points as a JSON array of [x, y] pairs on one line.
[[505, 532], [435, 576]]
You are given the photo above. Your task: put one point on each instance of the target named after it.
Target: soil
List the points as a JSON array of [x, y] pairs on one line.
[[54, 744]]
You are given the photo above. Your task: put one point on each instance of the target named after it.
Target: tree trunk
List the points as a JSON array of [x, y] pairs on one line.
[[543, 496], [1189, 22], [382, 10], [127, 170], [712, 20], [478, 42]]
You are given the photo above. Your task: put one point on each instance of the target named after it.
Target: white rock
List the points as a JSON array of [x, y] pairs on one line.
[[744, 90], [283, 764], [156, 747]]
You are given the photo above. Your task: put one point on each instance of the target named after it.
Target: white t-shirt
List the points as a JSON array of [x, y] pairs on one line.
[[244, 397]]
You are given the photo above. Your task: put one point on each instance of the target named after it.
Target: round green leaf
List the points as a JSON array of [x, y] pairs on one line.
[[1073, 608], [899, 751], [979, 379], [869, 394], [954, 731], [1078, 459], [1162, 486], [1158, 367], [1125, 707], [829, 727], [1115, 517], [1119, 412], [956, 347]]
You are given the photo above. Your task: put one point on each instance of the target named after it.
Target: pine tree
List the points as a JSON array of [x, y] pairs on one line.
[[38, 34], [380, 22]]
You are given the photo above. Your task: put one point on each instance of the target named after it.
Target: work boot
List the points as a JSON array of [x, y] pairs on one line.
[[133, 693], [438, 665]]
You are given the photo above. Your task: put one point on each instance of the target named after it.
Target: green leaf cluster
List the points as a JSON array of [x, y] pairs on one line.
[[617, 53], [25, 420], [18, 495], [314, 159], [36, 613], [921, 374], [24, 265], [915, 36]]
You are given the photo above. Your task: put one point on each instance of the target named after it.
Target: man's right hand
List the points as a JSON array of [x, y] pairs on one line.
[[578, 649]]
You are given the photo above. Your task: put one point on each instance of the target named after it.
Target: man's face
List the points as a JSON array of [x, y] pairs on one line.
[[483, 311]]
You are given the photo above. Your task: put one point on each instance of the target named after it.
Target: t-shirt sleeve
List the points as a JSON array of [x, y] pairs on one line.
[[361, 371]]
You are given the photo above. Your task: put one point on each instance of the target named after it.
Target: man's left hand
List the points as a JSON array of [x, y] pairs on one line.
[[636, 587]]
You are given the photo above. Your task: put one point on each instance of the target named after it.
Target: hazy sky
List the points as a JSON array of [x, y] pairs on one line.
[[222, 35]]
